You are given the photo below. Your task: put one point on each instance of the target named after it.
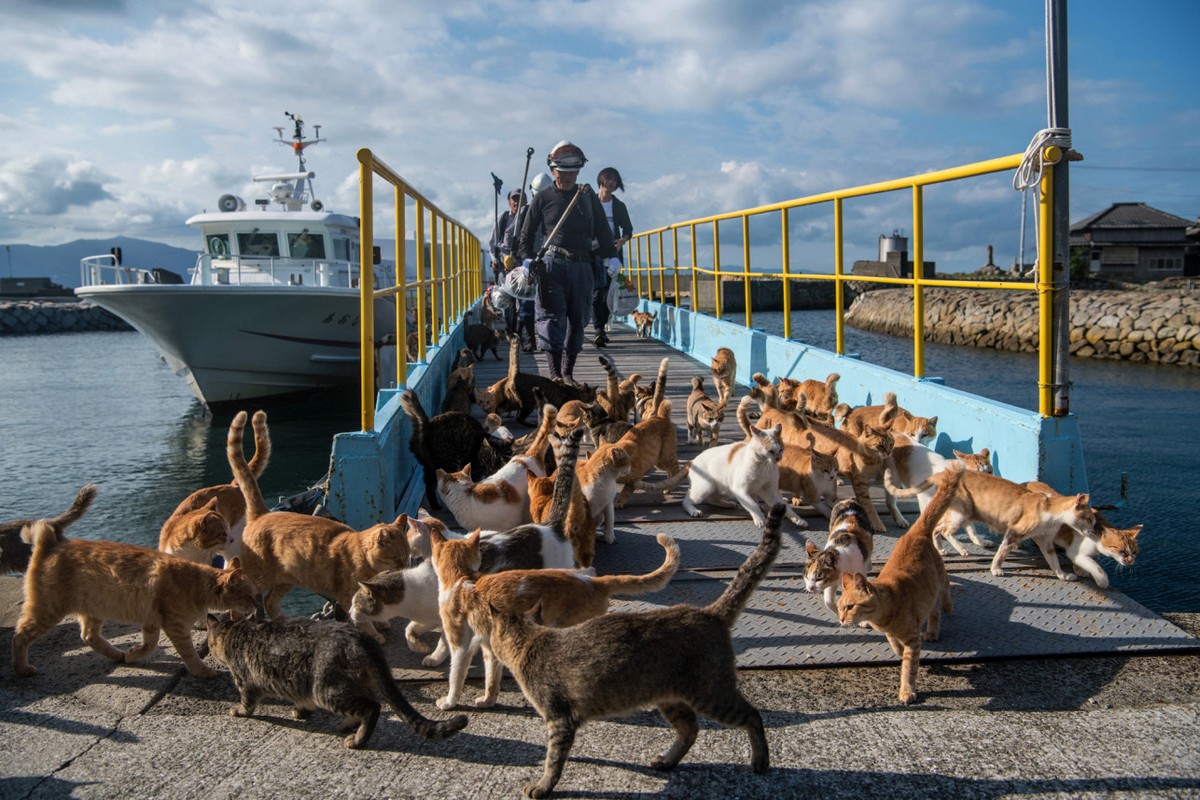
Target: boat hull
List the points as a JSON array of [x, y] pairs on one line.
[[234, 344]]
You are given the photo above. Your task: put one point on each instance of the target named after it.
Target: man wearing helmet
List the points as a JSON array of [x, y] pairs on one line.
[[577, 233]]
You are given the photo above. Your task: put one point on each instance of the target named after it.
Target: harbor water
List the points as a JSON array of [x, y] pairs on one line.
[[104, 408]]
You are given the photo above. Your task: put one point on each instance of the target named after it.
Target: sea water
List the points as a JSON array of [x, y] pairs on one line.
[[104, 408]]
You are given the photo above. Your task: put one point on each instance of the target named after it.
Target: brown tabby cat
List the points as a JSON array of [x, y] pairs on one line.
[[912, 589], [643, 321], [820, 397], [98, 581], [282, 550], [724, 374], [679, 659], [704, 415], [211, 521], [15, 550]]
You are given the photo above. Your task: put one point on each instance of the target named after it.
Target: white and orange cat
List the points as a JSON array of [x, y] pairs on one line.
[[97, 581], [1119, 544], [847, 550], [580, 525], [210, 521], [911, 591], [282, 550], [600, 480], [912, 462]]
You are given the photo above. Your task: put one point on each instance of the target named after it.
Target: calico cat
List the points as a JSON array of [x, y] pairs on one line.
[[724, 374], [281, 549], [746, 471], [311, 664], [15, 550], [502, 499], [1119, 544], [411, 593], [679, 659], [210, 521], [453, 558], [1007, 508], [911, 463], [911, 591], [704, 415], [450, 441], [848, 549], [481, 338], [600, 479], [643, 322], [97, 581], [580, 525], [495, 426]]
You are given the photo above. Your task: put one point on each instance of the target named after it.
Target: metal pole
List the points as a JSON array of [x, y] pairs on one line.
[[1056, 68]]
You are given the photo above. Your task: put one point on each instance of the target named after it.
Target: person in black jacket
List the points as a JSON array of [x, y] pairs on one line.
[[496, 243], [577, 234], [603, 296]]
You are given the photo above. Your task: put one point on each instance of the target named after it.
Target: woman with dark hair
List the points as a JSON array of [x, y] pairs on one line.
[[604, 297]]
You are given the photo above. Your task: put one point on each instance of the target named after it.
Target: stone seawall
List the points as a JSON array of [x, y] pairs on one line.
[[1161, 326], [26, 317]]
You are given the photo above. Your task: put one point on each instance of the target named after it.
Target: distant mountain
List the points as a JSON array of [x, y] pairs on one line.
[[60, 262]]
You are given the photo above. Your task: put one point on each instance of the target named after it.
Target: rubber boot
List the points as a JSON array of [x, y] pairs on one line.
[[569, 369], [554, 360], [530, 334]]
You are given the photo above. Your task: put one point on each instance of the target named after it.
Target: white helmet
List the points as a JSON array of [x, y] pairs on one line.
[[520, 284], [539, 182], [566, 157]]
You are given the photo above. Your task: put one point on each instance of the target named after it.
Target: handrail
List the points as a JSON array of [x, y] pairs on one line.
[[1044, 287], [455, 275]]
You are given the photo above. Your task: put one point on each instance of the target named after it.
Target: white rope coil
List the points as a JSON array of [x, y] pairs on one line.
[[1029, 173]]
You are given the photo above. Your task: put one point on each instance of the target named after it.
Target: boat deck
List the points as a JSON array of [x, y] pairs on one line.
[[1025, 612]]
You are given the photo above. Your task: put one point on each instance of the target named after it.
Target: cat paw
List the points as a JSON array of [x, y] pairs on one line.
[[417, 646], [301, 713], [483, 702], [907, 697], [431, 661], [25, 672], [352, 742], [239, 711], [203, 671], [379, 637], [997, 571], [661, 764], [695, 512], [446, 703], [535, 789], [1066, 576]]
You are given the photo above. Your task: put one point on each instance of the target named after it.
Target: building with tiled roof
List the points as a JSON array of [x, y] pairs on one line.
[[1134, 242]]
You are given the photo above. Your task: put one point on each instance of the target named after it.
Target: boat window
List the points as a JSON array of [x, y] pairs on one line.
[[265, 245], [218, 244], [343, 250], [306, 245]]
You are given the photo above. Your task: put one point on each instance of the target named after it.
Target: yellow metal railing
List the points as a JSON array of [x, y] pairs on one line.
[[642, 266], [448, 274]]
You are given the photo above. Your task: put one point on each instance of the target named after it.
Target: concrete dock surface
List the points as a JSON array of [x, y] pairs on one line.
[[1102, 726]]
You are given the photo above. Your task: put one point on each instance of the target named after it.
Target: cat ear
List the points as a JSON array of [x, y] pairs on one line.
[[960, 454], [473, 538], [847, 581], [933, 422], [861, 583], [1134, 531], [810, 548], [1081, 501], [985, 453], [211, 505], [234, 564]]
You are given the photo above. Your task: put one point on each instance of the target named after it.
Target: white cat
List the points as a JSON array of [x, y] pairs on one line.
[[499, 501], [911, 462], [746, 471], [409, 593]]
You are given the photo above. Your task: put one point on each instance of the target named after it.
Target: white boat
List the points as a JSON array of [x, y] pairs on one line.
[[271, 307]]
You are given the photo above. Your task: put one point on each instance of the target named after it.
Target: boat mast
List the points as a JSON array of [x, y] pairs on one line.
[[298, 143]]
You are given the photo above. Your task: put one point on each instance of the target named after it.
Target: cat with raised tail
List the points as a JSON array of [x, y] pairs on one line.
[[15, 545], [97, 581], [747, 472], [724, 374], [678, 659], [311, 664], [210, 521], [848, 549], [911, 591], [282, 549]]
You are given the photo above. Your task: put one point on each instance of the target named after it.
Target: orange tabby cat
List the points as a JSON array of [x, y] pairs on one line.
[[97, 581], [651, 443], [281, 549], [889, 416], [724, 374], [600, 478], [820, 397], [210, 521], [912, 589], [580, 527]]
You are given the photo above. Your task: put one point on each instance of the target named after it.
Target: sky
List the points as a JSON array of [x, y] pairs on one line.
[[124, 117]]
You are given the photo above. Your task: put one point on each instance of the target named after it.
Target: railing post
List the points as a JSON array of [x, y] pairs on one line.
[[1046, 293], [662, 270], [716, 269], [422, 310], [839, 284], [402, 295], [695, 278], [918, 287], [366, 290], [437, 321], [675, 263], [787, 283], [746, 271]]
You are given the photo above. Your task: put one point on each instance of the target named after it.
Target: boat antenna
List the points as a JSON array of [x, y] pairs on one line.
[[298, 143]]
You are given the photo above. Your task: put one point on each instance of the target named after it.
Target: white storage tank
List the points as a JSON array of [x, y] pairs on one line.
[[897, 243]]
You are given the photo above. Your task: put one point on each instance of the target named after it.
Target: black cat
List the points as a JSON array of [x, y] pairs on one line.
[[480, 338]]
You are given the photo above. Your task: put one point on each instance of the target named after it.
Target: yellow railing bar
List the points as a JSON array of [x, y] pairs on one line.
[[1045, 286], [456, 275]]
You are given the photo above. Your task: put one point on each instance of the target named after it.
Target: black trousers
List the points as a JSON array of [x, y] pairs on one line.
[[600, 307]]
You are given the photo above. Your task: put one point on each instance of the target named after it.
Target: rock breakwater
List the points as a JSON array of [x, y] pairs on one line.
[[1154, 326], [26, 317]]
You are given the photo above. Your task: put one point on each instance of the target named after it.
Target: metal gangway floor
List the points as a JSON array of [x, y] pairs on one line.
[[1026, 612]]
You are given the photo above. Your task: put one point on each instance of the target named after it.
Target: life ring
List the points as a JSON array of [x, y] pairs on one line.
[[217, 246]]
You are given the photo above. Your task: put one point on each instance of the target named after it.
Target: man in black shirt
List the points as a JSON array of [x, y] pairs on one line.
[[578, 242]]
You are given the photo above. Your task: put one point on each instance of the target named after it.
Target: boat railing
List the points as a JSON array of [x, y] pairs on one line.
[[449, 274], [104, 270], [654, 257], [253, 270]]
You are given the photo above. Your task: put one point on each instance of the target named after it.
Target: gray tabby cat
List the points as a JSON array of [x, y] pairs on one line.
[[312, 664], [679, 659]]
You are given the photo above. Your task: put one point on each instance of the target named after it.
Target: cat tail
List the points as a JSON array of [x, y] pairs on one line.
[[541, 437], [262, 444], [947, 489], [255, 505], [660, 388], [83, 502], [514, 366], [912, 491], [654, 581], [564, 482], [743, 414], [416, 416], [731, 602], [613, 387], [430, 729]]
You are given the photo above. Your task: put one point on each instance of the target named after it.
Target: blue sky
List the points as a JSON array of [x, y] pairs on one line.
[[126, 117]]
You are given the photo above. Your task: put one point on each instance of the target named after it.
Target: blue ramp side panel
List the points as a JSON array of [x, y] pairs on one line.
[[1023, 446], [373, 476]]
